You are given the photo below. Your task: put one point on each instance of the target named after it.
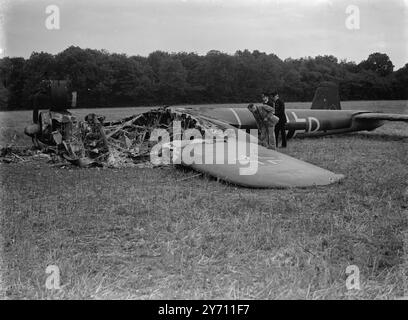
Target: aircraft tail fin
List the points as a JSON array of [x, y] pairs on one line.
[[327, 97]]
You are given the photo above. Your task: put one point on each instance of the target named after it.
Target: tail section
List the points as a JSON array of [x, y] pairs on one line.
[[327, 97]]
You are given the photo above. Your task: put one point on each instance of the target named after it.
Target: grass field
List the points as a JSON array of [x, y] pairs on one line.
[[166, 233]]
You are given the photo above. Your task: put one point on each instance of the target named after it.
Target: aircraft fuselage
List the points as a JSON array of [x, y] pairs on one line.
[[301, 122]]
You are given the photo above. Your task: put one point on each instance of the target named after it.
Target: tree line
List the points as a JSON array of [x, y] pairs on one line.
[[104, 79]]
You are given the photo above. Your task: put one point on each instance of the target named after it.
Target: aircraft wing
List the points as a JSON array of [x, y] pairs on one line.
[[381, 116], [269, 169]]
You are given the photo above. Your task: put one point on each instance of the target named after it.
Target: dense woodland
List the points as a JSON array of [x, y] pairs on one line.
[[105, 79]]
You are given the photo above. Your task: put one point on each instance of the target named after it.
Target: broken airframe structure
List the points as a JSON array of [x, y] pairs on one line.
[[118, 143]]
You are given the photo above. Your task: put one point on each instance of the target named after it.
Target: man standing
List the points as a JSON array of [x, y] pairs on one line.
[[280, 113], [266, 121]]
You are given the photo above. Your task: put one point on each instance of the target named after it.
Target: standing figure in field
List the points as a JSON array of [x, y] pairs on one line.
[[266, 121], [280, 113]]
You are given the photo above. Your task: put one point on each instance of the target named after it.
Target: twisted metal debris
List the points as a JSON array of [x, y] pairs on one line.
[[121, 143]]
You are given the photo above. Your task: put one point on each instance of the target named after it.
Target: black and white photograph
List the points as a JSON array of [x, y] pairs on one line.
[[204, 155]]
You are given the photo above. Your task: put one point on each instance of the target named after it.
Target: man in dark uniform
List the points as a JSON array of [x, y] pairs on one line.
[[280, 113]]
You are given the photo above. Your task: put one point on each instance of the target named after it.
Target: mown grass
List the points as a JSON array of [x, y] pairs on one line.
[[166, 233]]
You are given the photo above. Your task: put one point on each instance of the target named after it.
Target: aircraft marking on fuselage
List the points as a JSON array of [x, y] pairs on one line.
[[297, 120], [236, 117], [308, 120]]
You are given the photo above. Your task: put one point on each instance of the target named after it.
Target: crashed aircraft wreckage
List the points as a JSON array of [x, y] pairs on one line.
[[184, 136], [131, 140], [214, 135]]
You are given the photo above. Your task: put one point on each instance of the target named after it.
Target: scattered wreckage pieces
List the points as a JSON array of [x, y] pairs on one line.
[[11, 154], [17, 154]]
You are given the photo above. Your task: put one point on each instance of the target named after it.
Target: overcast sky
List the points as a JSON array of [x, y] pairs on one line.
[[287, 28]]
